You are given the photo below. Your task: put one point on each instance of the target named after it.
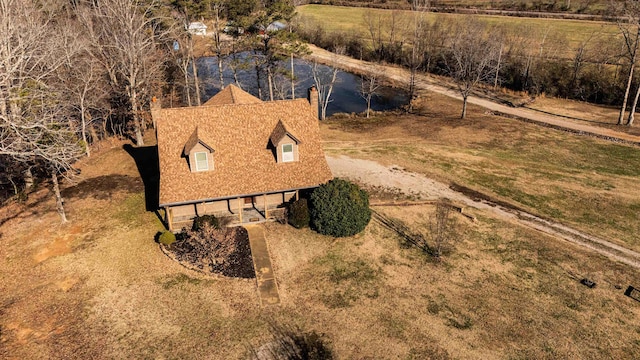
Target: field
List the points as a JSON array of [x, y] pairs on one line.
[[575, 6], [570, 32], [580, 181], [99, 287]]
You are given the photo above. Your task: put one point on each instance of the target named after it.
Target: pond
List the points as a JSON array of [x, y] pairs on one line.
[[345, 96]]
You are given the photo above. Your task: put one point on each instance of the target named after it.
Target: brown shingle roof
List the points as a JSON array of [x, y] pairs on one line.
[[279, 132], [244, 163], [194, 139], [232, 95]]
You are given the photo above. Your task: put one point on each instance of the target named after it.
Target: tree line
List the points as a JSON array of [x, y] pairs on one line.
[[600, 69]]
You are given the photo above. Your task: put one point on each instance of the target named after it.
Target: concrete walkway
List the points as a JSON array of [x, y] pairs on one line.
[[267, 286]]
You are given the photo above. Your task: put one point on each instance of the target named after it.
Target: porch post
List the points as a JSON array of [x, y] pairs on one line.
[[240, 210], [266, 210], [297, 195], [169, 215]]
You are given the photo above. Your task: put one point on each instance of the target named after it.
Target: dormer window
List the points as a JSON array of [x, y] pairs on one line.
[[202, 161], [283, 144], [287, 153], [199, 155]]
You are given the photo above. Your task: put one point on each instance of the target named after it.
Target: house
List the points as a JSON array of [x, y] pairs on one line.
[[197, 28], [237, 156], [270, 29], [276, 26]]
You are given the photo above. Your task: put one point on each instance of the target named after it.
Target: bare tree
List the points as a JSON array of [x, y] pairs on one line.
[[34, 121], [370, 84], [374, 24], [630, 30], [182, 53], [84, 85], [237, 62], [631, 38], [127, 34], [386, 33], [472, 53], [218, 47], [325, 78], [415, 58]]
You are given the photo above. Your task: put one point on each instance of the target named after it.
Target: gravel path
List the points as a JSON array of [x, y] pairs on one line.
[[394, 177], [424, 82]]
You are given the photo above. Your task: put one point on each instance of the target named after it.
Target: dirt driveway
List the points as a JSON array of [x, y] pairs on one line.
[[425, 82], [414, 184]]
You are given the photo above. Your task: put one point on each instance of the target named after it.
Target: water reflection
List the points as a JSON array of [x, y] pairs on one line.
[[345, 92]]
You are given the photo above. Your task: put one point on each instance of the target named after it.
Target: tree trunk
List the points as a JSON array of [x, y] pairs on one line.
[[15, 187], [626, 93], [368, 106], [293, 83], [28, 179], [495, 81], [257, 67], [196, 82], [270, 82], [59, 201], [216, 37], [632, 65], [412, 86], [94, 134], [136, 118], [464, 106], [632, 111], [220, 71], [235, 78], [83, 117], [186, 88]]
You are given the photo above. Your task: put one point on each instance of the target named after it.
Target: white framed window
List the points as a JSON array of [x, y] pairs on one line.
[[202, 162], [287, 152]]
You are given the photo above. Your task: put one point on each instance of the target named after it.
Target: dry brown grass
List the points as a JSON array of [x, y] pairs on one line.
[[581, 181], [504, 292], [350, 20]]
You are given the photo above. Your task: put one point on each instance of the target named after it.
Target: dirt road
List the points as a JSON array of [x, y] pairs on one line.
[[424, 82], [396, 178]]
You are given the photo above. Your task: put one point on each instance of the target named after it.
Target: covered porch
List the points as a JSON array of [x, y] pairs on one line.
[[244, 209]]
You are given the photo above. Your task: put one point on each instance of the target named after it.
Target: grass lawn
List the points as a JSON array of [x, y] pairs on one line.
[[588, 183], [99, 287], [574, 32]]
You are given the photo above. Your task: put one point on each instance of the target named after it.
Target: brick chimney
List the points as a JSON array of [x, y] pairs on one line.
[[313, 100]]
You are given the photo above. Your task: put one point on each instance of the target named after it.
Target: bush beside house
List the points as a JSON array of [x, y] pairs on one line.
[[167, 238], [339, 208], [201, 221], [298, 214]]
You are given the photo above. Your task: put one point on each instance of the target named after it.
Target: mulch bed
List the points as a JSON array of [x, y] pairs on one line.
[[200, 256]]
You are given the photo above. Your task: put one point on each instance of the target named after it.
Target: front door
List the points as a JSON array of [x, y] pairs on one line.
[[248, 202]]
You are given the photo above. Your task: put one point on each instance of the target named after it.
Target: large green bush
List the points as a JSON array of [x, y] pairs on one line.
[[339, 208], [298, 215]]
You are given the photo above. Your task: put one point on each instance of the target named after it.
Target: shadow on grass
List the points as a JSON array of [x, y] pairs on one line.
[[102, 187], [146, 158]]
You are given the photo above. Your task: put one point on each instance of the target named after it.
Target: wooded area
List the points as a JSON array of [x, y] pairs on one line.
[[76, 72]]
